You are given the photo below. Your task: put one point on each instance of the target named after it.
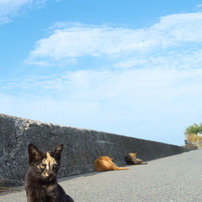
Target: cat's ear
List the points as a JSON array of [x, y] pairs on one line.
[[56, 153], [34, 153]]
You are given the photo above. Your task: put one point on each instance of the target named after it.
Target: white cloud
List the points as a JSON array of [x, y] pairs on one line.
[[182, 59], [123, 102], [199, 6], [155, 79], [173, 31], [10, 8]]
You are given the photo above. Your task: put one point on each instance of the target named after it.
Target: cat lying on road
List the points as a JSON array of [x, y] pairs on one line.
[[132, 160], [104, 163]]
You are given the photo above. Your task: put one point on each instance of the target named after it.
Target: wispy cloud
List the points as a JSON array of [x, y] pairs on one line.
[[9, 9], [173, 31], [116, 85], [110, 100], [199, 6], [153, 77], [178, 59]]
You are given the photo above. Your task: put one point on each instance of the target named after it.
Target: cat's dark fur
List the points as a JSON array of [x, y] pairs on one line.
[[41, 178], [131, 159]]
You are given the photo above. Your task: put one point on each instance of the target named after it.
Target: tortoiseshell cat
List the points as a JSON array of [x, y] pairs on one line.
[[132, 160], [41, 178]]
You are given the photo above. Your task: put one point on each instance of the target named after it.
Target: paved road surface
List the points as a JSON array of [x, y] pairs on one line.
[[175, 178]]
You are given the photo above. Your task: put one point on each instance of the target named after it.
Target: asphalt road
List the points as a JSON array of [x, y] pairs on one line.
[[174, 178]]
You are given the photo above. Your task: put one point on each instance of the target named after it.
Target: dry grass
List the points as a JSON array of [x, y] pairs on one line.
[[195, 139]]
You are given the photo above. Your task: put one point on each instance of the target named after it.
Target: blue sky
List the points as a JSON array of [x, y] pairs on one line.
[[127, 67]]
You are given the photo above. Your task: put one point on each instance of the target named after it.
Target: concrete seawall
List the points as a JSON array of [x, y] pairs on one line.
[[81, 147]]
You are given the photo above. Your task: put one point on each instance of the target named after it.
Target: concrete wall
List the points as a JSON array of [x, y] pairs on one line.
[[81, 147]]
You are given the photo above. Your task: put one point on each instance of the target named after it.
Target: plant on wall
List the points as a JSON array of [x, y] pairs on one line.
[[193, 134]]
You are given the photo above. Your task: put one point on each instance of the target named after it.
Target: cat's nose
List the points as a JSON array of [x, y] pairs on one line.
[[51, 173]]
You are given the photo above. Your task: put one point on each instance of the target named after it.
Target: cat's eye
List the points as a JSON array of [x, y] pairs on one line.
[[55, 166], [42, 166]]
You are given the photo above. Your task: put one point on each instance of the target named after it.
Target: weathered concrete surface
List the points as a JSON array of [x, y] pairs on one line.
[[81, 147]]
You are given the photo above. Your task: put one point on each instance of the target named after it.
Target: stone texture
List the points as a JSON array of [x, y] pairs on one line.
[[81, 147]]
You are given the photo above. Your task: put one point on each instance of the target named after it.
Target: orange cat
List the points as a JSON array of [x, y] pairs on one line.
[[104, 163]]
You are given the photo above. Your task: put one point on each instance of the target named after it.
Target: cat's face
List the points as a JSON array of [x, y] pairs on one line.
[[45, 165], [133, 155]]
